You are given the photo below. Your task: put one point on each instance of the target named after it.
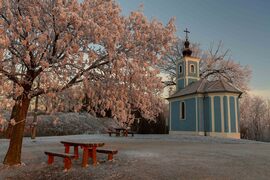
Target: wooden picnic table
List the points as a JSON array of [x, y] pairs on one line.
[[85, 146], [123, 130]]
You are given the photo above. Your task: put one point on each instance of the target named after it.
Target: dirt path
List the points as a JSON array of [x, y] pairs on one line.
[[148, 157]]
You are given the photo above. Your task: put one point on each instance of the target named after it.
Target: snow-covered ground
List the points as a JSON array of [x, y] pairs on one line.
[[148, 157]]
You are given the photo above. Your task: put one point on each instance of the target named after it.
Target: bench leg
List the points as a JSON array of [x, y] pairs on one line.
[[85, 156], [50, 159], [67, 164], [66, 148], [110, 157], [76, 152], [90, 153], [110, 134], [94, 155]]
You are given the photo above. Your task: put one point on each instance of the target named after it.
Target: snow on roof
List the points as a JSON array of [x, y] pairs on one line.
[[204, 86]]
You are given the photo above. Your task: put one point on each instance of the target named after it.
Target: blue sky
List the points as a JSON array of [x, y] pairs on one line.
[[242, 25]]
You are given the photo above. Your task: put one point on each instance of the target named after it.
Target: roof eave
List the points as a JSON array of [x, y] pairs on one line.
[[240, 93], [184, 95]]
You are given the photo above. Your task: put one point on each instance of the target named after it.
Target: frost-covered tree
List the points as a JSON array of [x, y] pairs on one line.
[[64, 44], [215, 64], [254, 120]]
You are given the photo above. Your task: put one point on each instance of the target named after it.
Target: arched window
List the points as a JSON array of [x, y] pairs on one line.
[[183, 111], [180, 69], [192, 68]]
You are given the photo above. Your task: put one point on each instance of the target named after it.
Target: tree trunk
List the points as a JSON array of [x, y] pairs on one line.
[[34, 123], [10, 127], [13, 112], [34, 127], [13, 156]]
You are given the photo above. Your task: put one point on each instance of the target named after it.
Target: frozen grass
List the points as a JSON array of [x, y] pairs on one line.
[[148, 157]]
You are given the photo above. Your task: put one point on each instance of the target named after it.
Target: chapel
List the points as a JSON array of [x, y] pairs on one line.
[[199, 106]]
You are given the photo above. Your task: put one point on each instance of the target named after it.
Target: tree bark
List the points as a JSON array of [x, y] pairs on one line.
[[13, 156], [34, 124], [8, 132]]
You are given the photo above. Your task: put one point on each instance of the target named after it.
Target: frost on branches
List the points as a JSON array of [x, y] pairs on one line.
[[64, 43], [215, 64], [255, 118]]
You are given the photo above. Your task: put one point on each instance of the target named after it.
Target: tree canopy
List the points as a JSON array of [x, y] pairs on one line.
[[49, 46]]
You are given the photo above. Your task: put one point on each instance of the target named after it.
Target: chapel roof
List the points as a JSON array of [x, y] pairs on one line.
[[204, 86]]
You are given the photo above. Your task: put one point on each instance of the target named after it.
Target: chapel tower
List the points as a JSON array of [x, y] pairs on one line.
[[187, 68]]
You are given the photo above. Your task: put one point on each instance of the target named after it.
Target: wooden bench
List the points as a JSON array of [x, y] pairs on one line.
[[109, 152], [126, 133], [114, 132], [131, 132], [67, 158]]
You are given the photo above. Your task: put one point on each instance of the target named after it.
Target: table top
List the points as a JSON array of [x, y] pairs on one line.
[[120, 128], [83, 143]]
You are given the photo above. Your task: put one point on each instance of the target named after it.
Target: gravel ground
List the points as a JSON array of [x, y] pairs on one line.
[[147, 157]]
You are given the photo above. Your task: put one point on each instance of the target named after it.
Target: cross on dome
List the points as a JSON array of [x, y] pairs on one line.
[[186, 50], [187, 32]]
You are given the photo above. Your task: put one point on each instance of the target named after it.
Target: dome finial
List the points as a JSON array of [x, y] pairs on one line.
[[186, 50]]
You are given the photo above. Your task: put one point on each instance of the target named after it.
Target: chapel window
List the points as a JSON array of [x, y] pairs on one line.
[[192, 68], [180, 69], [183, 110]]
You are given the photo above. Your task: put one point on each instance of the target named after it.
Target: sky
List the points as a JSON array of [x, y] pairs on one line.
[[242, 25]]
